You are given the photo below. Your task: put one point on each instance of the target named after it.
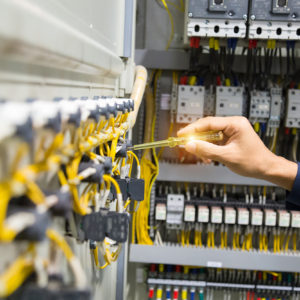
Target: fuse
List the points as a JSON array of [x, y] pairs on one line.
[[160, 212], [216, 215], [189, 213], [203, 214], [295, 220], [230, 215], [270, 217], [243, 216], [256, 217], [283, 218]]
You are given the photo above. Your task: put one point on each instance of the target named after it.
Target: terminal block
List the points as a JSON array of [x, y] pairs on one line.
[[190, 104], [229, 101], [293, 109], [217, 18], [276, 19], [259, 106]]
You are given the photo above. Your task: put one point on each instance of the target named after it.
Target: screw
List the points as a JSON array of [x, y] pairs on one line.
[[252, 17], [269, 24], [190, 14], [230, 13], [206, 21], [245, 17]]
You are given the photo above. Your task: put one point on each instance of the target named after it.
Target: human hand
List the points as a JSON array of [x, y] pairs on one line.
[[242, 151]]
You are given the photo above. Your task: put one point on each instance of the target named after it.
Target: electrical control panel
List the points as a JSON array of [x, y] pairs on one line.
[[229, 101], [276, 19], [259, 106], [190, 104], [217, 18], [293, 109]]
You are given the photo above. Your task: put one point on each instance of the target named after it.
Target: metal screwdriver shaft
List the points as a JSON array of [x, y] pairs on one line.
[[209, 136]]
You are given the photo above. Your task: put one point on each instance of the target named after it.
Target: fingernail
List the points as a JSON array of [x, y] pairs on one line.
[[190, 147]]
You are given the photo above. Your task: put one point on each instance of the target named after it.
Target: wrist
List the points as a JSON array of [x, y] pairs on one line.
[[280, 171]]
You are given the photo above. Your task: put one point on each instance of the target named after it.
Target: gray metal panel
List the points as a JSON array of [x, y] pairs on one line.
[[128, 28], [160, 59], [120, 275], [233, 9], [204, 173], [262, 10], [233, 259]]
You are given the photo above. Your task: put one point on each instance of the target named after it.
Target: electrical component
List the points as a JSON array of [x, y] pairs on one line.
[[243, 216], [190, 104], [259, 106], [216, 215], [229, 101], [293, 109], [276, 19], [203, 214], [229, 215], [160, 212], [217, 18], [175, 208], [275, 111], [295, 219], [256, 217], [189, 213], [284, 218], [270, 217]]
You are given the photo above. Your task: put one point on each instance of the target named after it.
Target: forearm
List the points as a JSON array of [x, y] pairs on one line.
[[280, 171]]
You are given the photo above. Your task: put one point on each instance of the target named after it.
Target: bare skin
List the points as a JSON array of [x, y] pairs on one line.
[[242, 151]]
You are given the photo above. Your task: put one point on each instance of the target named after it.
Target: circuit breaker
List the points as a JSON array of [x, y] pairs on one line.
[[217, 18], [259, 106], [276, 19], [229, 101], [293, 109], [190, 103], [175, 208], [275, 110]]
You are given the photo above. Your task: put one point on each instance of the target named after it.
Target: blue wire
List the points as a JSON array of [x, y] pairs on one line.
[[192, 295]]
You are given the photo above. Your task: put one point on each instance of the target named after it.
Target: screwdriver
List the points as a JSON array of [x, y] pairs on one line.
[[208, 136]]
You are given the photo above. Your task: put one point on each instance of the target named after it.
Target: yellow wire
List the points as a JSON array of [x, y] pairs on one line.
[[172, 24], [17, 272], [61, 243], [113, 181]]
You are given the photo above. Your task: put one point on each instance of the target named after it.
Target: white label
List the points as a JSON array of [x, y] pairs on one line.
[[295, 219], [256, 217], [270, 217], [230, 215], [165, 102], [284, 218], [160, 212], [203, 214], [216, 215], [214, 264], [243, 216], [189, 213]]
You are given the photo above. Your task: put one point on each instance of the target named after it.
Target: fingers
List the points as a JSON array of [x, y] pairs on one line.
[[204, 150], [205, 124]]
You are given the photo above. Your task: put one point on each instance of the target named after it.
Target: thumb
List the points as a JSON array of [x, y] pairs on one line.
[[204, 149]]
